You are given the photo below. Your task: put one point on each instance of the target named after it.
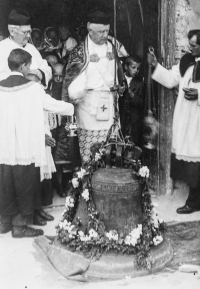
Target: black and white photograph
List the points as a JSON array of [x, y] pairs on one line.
[[99, 144]]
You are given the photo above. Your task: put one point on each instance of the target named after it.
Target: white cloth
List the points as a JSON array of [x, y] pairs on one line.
[[69, 44], [128, 79], [7, 45], [22, 123], [186, 120], [47, 170], [121, 51], [92, 87]]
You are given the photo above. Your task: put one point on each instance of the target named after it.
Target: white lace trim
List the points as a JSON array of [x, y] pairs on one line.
[[21, 162], [186, 158]]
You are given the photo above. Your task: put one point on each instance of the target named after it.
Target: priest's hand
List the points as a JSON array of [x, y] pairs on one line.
[[121, 89], [152, 60], [191, 93], [49, 141]]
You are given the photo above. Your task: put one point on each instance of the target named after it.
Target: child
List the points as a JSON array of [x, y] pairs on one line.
[[51, 42], [22, 147], [37, 39], [51, 60], [66, 153], [132, 110], [47, 170]]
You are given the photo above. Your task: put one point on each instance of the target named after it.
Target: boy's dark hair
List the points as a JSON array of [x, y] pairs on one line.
[[132, 58], [18, 57], [196, 32]]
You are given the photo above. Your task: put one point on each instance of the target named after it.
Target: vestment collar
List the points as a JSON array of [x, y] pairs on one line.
[[16, 73]]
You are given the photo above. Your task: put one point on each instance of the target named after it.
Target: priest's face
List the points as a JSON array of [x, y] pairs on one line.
[[21, 34], [98, 33], [194, 47]]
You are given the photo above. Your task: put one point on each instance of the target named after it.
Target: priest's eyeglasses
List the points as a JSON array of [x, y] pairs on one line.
[[25, 33]]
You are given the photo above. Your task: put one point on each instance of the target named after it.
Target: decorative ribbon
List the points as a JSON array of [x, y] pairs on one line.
[[96, 58]]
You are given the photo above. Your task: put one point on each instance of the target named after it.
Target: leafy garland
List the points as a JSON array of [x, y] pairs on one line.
[[94, 240]]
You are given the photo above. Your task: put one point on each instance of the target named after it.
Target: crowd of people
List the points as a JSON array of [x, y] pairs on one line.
[[43, 78], [46, 79]]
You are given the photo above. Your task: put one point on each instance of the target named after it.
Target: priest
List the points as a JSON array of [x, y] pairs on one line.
[[185, 157], [19, 27], [89, 82]]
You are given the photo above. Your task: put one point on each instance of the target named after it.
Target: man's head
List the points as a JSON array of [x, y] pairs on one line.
[[52, 36], [194, 42], [19, 60], [36, 37], [58, 72], [19, 26], [64, 32], [98, 27], [52, 60], [132, 65], [82, 32]]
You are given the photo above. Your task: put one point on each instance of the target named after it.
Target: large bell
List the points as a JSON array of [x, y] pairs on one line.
[[117, 194]]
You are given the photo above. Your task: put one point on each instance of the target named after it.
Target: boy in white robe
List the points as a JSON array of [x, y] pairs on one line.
[[22, 146]]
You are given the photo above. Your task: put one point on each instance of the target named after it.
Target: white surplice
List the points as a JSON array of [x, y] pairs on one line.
[[186, 120], [7, 45], [22, 123]]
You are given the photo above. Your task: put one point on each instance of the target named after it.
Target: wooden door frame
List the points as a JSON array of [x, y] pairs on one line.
[[167, 97]]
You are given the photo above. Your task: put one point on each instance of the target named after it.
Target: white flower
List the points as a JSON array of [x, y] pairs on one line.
[[81, 173], [127, 240], [61, 225], [68, 226], [85, 194], [81, 234], [69, 202], [65, 225], [85, 238], [133, 237], [112, 235], [144, 172], [157, 240], [75, 182], [93, 233], [155, 220], [97, 157]]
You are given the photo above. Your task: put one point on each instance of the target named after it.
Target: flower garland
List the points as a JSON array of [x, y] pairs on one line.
[[94, 239]]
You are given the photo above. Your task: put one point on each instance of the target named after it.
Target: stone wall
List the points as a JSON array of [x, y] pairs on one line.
[[187, 18]]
